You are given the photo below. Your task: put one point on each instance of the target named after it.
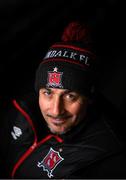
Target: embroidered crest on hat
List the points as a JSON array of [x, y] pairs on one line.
[[54, 78]]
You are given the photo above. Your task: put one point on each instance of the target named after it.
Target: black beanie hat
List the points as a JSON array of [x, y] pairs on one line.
[[69, 64]]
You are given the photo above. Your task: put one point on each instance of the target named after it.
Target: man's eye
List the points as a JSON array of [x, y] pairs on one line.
[[71, 97], [47, 93]]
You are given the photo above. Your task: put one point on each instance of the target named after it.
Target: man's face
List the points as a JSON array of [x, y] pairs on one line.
[[62, 109]]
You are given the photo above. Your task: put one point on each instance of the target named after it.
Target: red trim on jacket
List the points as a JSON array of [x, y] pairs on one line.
[[49, 137], [26, 115]]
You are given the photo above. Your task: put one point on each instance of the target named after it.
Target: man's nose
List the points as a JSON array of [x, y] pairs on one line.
[[57, 107]]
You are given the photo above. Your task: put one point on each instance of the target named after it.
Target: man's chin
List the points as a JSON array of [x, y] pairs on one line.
[[58, 131]]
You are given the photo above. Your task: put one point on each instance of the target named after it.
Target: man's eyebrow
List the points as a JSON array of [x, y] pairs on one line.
[[46, 88], [74, 92], [69, 91]]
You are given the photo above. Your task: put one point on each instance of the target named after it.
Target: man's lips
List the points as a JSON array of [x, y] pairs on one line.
[[58, 120]]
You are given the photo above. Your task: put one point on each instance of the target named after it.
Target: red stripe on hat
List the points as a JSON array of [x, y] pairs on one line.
[[63, 60], [73, 47]]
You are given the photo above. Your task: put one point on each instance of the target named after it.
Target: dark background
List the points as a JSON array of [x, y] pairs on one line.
[[29, 27]]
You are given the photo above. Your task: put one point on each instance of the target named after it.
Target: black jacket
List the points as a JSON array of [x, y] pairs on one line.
[[28, 149]]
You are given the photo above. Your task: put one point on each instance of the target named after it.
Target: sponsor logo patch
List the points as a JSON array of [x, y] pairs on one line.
[[16, 132]]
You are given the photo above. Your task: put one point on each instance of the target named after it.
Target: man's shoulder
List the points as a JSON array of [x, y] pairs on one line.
[[21, 104], [20, 110]]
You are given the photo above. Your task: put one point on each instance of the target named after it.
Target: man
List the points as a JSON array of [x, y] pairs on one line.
[[65, 135]]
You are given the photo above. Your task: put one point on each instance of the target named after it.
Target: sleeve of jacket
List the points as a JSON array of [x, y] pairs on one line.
[[16, 137]]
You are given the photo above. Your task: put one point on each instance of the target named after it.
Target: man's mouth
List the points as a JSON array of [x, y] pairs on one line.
[[58, 120]]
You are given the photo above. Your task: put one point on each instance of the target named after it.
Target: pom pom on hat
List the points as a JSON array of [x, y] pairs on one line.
[[76, 32], [69, 64]]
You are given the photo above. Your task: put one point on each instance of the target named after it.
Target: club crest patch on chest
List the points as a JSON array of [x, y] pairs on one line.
[[54, 78], [50, 162]]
